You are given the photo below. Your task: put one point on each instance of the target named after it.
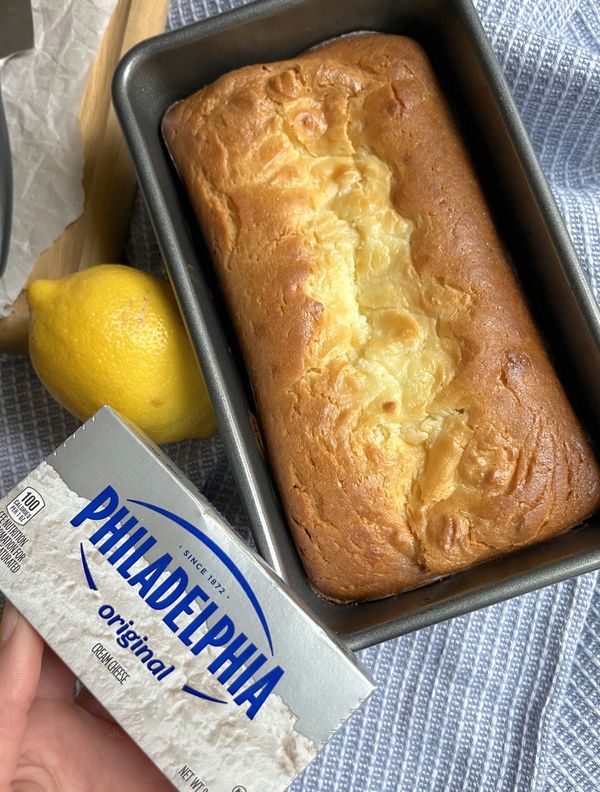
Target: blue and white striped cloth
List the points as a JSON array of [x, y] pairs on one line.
[[506, 699]]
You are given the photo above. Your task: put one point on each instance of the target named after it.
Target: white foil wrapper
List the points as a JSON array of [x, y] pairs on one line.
[[189, 640], [42, 91]]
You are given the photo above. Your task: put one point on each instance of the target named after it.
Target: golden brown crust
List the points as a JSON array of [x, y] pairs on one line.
[[412, 417]]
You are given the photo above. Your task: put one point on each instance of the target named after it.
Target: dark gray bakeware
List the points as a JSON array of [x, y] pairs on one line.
[[158, 72]]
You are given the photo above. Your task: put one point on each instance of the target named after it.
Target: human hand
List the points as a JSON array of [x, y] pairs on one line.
[[50, 742]]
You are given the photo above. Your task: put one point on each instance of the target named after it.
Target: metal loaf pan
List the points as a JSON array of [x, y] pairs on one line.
[[163, 70]]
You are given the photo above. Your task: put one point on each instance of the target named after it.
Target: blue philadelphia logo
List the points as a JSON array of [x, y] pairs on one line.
[[239, 666]]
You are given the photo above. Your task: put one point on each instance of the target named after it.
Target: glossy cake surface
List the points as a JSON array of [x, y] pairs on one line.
[[413, 420]]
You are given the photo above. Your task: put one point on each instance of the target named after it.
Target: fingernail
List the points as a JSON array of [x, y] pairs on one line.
[[10, 617]]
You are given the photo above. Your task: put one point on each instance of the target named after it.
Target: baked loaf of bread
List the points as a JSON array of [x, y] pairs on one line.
[[413, 420]]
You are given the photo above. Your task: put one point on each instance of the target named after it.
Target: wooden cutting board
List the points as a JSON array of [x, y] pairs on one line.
[[98, 235]]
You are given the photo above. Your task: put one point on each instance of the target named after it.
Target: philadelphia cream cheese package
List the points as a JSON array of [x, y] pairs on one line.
[[189, 639]]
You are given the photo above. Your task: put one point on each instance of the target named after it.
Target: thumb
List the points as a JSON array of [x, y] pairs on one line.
[[21, 650]]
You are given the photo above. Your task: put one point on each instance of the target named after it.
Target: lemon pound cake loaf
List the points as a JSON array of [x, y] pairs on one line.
[[413, 420]]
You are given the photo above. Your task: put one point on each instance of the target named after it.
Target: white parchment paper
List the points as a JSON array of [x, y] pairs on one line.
[[42, 90]]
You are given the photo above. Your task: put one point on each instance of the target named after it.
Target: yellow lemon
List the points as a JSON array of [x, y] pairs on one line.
[[113, 335]]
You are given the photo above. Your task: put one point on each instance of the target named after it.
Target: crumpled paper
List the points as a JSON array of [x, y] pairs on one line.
[[42, 91]]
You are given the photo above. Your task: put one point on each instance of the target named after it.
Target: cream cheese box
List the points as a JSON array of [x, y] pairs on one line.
[[185, 635]]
